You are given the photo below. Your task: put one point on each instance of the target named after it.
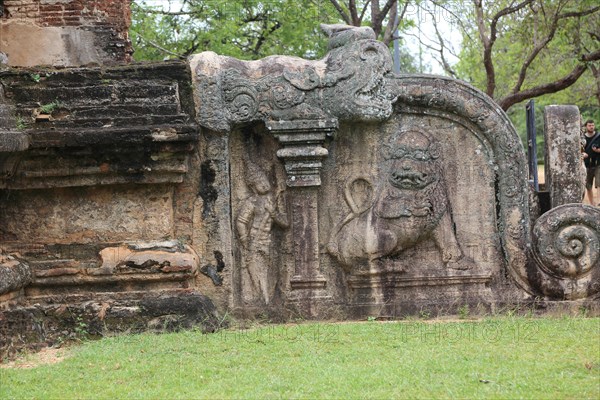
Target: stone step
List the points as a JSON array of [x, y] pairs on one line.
[[74, 112], [108, 121], [144, 134], [121, 93]]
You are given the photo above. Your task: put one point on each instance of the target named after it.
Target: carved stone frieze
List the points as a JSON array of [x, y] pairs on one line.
[[507, 157], [349, 84], [395, 208], [317, 188]]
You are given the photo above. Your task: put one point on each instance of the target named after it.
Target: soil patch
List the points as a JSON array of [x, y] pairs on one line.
[[46, 356]]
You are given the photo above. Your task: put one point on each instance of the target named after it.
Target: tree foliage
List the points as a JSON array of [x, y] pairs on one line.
[[518, 50], [245, 29], [253, 29]]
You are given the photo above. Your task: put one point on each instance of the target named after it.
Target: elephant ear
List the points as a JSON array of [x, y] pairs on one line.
[[359, 193], [305, 80]]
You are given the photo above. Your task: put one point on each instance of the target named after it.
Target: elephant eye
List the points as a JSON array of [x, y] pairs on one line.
[[420, 155]]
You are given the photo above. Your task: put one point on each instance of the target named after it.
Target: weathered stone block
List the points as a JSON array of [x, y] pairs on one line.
[[68, 33], [565, 176], [41, 325]]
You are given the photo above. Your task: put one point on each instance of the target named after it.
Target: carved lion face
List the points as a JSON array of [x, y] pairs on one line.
[[412, 160]]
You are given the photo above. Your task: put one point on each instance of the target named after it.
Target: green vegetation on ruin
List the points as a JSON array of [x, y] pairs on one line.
[[502, 357], [50, 107]]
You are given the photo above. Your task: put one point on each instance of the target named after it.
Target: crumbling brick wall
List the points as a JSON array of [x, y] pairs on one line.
[[65, 32]]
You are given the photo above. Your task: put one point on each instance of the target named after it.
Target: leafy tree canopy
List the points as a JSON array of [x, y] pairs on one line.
[[245, 29], [253, 29]]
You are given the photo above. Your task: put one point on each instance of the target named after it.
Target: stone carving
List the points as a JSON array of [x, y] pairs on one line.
[[566, 245], [355, 78], [565, 173], [349, 83], [146, 257], [407, 205], [508, 160], [264, 208]]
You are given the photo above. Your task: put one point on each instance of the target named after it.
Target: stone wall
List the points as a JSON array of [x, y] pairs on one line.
[[92, 162], [64, 32]]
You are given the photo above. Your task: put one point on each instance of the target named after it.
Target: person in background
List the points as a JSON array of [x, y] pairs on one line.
[[591, 158]]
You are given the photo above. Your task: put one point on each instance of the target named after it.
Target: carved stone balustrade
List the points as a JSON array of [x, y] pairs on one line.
[[158, 195]]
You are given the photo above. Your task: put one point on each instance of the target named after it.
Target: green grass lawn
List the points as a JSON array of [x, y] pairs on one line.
[[553, 358]]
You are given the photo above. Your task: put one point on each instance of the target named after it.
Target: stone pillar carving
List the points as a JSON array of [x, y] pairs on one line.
[[302, 152], [303, 149], [305, 230]]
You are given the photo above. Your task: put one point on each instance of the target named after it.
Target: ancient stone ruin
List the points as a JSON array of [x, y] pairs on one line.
[[64, 32], [169, 195]]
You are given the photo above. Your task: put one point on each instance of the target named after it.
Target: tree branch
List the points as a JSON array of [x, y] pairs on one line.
[[552, 87], [490, 73], [386, 8], [175, 13], [541, 45], [388, 33], [158, 47], [579, 14], [502, 13], [375, 17], [353, 13], [341, 11], [593, 56], [532, 56], [393, 25], [594, 35], [378, 15], [445, 63], [458, 19], [596, 75], [364, 10]]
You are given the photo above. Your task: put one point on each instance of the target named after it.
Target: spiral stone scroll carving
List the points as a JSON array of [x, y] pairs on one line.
[[566, 244]]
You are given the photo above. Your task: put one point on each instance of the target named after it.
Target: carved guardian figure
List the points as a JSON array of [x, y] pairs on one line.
[[410, 204]]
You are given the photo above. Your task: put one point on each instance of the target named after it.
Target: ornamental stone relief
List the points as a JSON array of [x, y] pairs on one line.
[[406, 205], [315, 188], [396, 180]]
